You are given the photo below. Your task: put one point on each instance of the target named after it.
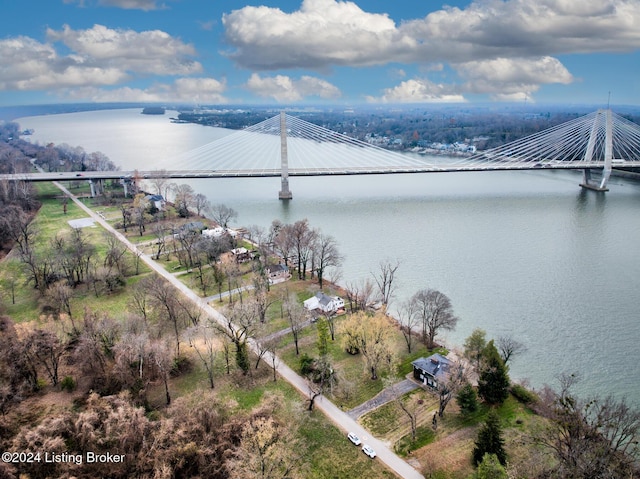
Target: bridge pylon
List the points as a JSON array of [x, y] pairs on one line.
[[602, 116], [285, 192]]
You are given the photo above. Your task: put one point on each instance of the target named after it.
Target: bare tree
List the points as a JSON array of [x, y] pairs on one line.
[[412, 404], [385, 280], [126, 216], [408, 321], [46, 348], [295, 313], [264, 345], [205, 342], [222, 214], [160, 244], [435, 312], [139, 212], [159, 181], [141, 298], [326, 255], [184, 199], [455, 379], [201, 203], [281, 238], [241, 325], [591, 439], [509, 347], [115, 256], [359, 294], [167, 305], [163, 360], [267, 450]]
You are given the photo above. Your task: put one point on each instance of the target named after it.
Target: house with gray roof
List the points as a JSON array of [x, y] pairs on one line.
[[327, 304], [278, 273], [429, 371]]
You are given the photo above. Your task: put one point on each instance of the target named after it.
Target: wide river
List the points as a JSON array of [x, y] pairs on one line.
[[527, 254]]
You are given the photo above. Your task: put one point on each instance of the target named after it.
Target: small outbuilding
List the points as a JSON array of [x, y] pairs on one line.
[[429, 371]]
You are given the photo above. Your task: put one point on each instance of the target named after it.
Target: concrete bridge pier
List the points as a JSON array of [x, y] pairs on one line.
[[601, 116], [285, 192], [97, 187]]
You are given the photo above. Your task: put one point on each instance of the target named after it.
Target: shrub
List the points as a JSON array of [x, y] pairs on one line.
[[181, 365], [67, 384], [306, 364], [523, 395]]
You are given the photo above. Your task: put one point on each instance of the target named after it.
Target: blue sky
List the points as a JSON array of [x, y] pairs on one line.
[[320, 51]]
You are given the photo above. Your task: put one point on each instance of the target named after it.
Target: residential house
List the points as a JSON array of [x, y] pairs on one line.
[[430, 371], [326, 304], [278, 273], [242, 255], [213, 232], [156, 200]]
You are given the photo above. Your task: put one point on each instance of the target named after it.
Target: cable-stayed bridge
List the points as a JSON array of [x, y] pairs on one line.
[[287, 146]]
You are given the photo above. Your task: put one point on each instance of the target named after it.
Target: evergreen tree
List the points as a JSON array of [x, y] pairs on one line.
[[467, 399], [490, 468], [490, 440], [493, 384]]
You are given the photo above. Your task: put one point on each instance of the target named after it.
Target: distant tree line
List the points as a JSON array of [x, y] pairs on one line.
[[489, 127]]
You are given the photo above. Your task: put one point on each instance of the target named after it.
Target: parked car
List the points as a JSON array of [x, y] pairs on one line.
[[354, 439], [368, 450]]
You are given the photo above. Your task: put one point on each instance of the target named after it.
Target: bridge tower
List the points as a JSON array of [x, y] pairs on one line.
[[285, 192], [601, 116]]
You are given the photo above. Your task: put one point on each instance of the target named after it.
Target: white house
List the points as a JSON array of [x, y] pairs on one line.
[[213, 232], [156, 200], [278, 273], [326, 304]]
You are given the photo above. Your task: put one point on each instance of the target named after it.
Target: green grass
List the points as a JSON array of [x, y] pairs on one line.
[[424, 435], [382, 420], [329, 454]]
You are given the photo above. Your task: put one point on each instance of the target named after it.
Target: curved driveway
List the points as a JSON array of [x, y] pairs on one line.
[[338, 417]]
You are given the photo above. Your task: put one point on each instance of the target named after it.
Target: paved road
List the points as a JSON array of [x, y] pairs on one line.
[[383, 397], [338, 417]]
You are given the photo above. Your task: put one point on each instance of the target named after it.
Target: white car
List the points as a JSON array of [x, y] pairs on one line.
[[368, 450], [354, 439]]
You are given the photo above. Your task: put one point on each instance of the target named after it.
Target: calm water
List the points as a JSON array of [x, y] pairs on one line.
[[528, 254]]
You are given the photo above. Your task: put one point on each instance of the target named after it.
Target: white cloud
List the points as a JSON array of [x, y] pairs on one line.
[[418, 90], [500, 47], [320, 34], [190, 90], [152, 51], [323, 33], [285, 89], [26, 64], [145, 5], [99, 56], [506, 78]]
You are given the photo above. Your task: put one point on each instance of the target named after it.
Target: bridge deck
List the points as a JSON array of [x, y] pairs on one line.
[[275, 172]]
